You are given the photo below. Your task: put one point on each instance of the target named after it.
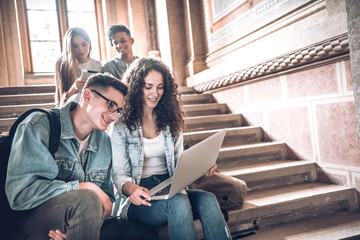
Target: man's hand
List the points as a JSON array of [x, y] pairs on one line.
[[56, 235], [211, 171], [105, 200]]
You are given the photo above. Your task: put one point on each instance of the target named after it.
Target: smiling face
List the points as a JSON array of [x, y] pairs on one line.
[[80, 48], [98, 110], [122, 43], [153, 89]]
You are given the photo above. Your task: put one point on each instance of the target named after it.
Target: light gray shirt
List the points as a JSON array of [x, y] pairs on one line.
[[116, 67]]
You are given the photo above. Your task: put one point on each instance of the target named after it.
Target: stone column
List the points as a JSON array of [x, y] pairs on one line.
[[175, 41], [353, 22], [11, 67], [151, 20], [139, 27], [116, 13], [4, 81], [196, 37]]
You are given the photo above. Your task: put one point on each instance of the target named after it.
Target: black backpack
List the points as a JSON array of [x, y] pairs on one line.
[[9, 216]]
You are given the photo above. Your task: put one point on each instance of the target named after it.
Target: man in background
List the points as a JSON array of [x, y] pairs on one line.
[[120, 39]]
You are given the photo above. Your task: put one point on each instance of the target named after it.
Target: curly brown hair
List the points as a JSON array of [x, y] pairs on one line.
[[168, 110]]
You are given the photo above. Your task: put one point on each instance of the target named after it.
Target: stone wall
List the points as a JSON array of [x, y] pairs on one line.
[[286, 66], [353, 19], [267, 32], [311, 110]]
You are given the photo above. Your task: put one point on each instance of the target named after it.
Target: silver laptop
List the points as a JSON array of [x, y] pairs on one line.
[[193, 163]]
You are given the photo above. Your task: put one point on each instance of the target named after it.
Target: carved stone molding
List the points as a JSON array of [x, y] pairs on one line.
[[315, 53]]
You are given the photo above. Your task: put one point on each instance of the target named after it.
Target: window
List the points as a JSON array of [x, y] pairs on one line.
[[45, 25]]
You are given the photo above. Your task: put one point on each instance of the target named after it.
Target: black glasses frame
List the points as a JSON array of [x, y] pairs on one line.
[[118, 110]]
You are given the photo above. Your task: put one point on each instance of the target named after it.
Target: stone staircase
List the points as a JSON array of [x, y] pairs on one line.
[[283, 191], [16, 100]]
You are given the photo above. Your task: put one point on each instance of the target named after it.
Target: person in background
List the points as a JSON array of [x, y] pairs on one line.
[[75, 57], [146, 144], [120, 39], [70, 195]]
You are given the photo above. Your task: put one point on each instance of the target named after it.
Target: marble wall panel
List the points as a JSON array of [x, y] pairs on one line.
[[336, 133], [254, 118], [233, 97], [292, 125], [314, 82], [265, 91], [348, 77]]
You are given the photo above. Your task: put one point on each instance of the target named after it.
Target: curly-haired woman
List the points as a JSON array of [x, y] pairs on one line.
[[146, 144]]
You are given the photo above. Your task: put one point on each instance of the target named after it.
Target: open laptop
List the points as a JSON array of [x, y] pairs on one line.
[[192, 164]]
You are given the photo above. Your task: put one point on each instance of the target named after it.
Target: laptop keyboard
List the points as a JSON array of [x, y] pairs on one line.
[[164, 191]]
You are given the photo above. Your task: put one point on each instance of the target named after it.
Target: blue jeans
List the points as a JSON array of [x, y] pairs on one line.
[[67, 212], [179, 212], [79, 215]]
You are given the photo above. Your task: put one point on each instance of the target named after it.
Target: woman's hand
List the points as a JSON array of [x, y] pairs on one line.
[[56, 235], [211, 171], [105, 200], [138, 195], [79, 84]]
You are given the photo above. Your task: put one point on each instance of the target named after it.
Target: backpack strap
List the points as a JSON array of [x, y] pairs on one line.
[[55, 128], [54, 138]]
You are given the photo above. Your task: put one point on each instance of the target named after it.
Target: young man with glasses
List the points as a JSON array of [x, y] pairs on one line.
[[70, 196], [112, 106]]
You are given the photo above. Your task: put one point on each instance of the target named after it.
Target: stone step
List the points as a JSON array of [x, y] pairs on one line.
[[286, 206], [213, 122], [29, 89], [186, 90], [197, 98], [5, 124], [204, 109], [50, 88], [10, 96], [234, 136], [334, 226], [267, 175], [24, 99], [344, 231], [290, 203], [233, 157], [11, 111]]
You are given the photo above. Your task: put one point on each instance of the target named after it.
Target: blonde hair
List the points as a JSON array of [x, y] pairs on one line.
[[67, 65]]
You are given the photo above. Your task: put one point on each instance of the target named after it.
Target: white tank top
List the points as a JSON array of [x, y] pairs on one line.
[[154, 153]]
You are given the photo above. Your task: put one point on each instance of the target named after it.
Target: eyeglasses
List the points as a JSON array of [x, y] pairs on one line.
[[112, 106]]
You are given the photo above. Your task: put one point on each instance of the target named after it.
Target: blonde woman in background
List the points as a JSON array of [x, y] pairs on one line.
[[75, 57]]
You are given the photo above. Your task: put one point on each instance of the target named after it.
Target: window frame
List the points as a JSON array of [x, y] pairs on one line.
[[63, 26]]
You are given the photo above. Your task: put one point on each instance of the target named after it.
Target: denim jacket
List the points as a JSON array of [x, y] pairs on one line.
[[33, 175], [128, 158]]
